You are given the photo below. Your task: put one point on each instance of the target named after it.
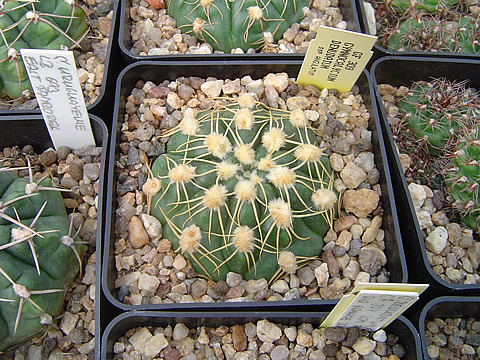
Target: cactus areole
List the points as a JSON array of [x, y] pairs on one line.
[[245, 189], [227, 24], [45, 24], [38, 257]]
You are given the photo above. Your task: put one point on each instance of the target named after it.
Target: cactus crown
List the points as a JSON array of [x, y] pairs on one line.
[[244, 188], [228, 25], [45, 24], [39, 257]]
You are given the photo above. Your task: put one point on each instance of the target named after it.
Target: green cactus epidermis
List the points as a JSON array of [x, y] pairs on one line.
[[248, 194], [431, 34], [431, 119], [228, 25], [462, 181], [59, 24], [57, 263], [429, 6]]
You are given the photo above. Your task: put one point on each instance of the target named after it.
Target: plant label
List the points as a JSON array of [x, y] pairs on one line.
[[373, 306], [54, 79], [335, 59]]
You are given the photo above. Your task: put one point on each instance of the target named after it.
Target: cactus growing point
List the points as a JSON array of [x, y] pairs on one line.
[[45, 24], [228, 25], [39, 257], [244, 188]]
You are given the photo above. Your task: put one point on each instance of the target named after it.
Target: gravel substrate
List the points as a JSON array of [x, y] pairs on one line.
[[153, 32], [453, 338], [150, 271], [78, 170], [90, 57], [263, 340], [456, 260]]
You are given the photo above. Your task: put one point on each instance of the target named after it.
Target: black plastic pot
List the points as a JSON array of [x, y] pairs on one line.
[[160, 71], [111, 70], [386, 71], [382, 51], [401, 327], [447, 307], [347, 8], [21, 130]]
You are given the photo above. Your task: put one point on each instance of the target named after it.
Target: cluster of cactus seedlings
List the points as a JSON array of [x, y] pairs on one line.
[[228, 25], [426, 25], [39, 255], [45, 24], [244, 188], [440, 127]]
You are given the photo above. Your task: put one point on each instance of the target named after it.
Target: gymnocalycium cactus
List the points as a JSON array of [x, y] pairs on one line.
[[244, 188], [427, 33], [228, 25], [463, 177], [436, 110], [39, 257], [45, 24]]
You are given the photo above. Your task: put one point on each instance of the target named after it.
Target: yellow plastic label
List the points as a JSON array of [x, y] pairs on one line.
[[373, 306], [335, 59]]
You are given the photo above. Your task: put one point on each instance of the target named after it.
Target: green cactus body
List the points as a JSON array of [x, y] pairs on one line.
[[38, 258], [245, 189], [428, 6], [228, 25], [45, 24], [463, 177], [435, 111], [429, 34]]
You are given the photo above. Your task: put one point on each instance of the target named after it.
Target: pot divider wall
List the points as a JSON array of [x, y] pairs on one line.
[[158, 72], [347, 8], [401, 327], [20, 130], [387, 71], [447, 307]]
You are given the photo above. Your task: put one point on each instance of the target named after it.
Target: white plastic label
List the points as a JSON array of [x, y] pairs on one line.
[[54, 79]]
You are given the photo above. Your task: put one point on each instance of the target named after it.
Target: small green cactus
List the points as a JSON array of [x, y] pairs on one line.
[[228, 25], [431, 34], [31, 24], [244, 188], [435, 111], [462, 179], [38, 256], [426, 6]]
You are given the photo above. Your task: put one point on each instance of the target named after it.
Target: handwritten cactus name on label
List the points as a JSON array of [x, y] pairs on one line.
[[54, 79], [374, 309], [335, 59], [372, 306]]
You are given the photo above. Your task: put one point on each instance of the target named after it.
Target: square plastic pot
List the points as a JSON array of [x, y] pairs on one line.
[[160, 71], [382, 51], [347, 8], [111, 69], [447, 307], [386, 71], [24, 130], [401, 327]]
